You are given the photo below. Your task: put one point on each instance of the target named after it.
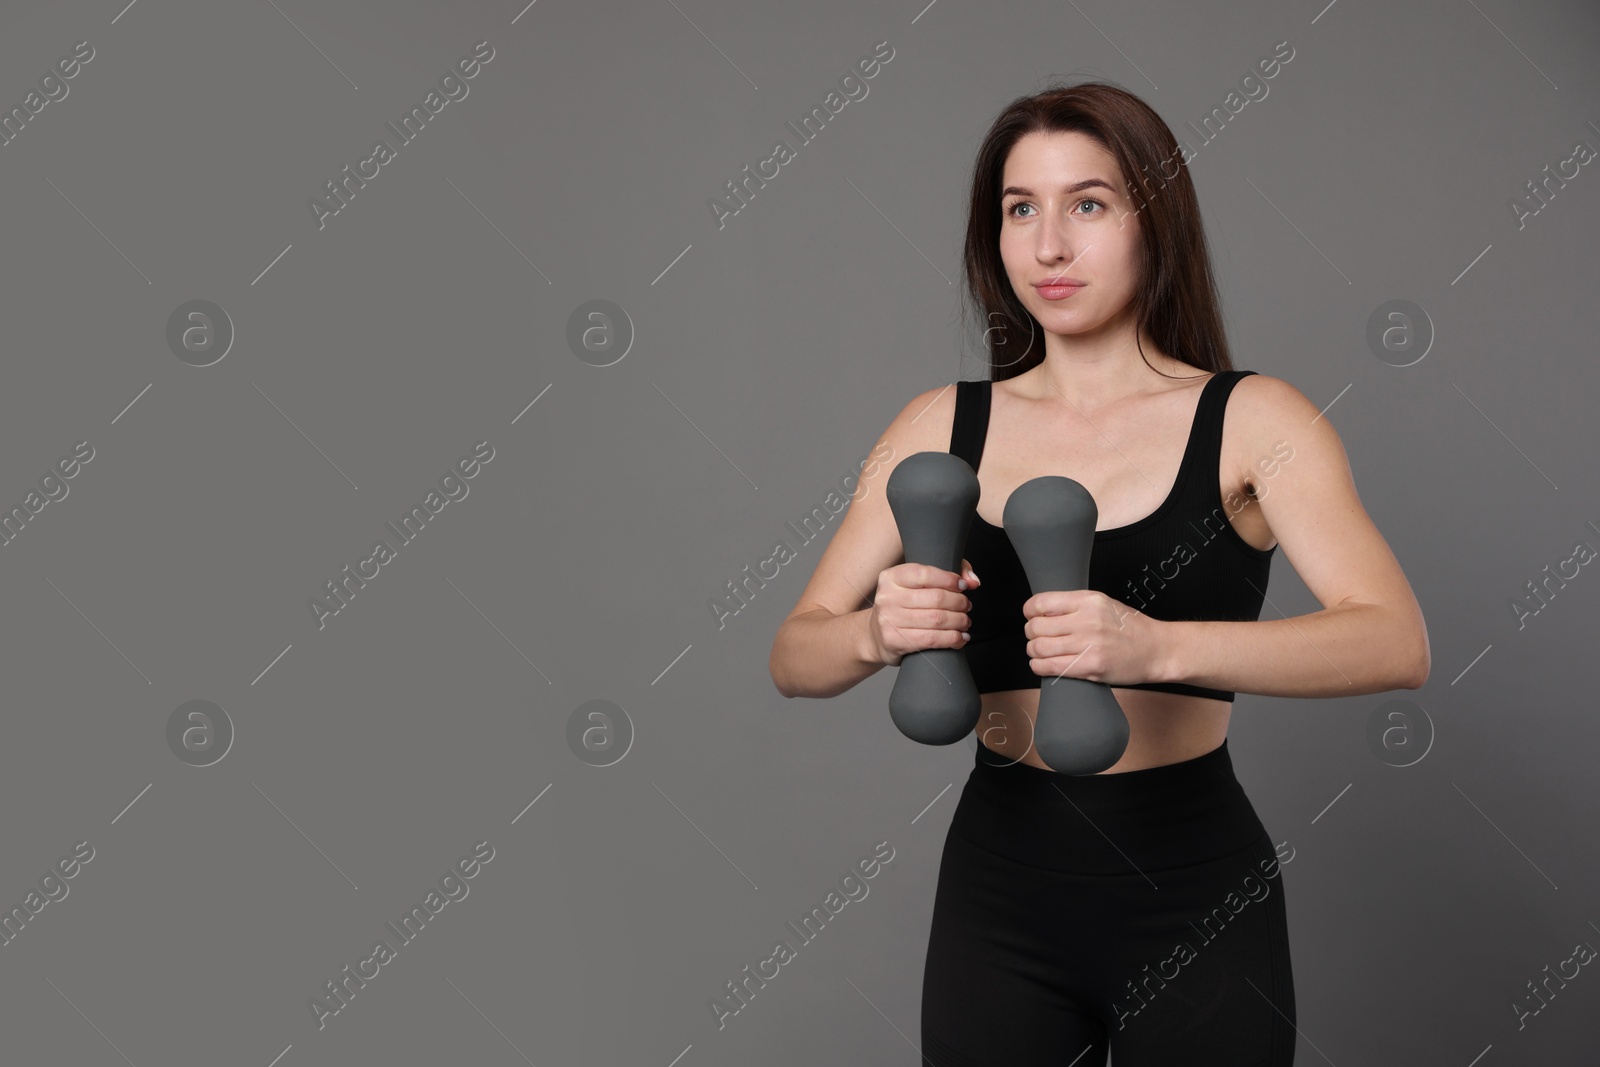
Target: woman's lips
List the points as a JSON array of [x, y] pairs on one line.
[[1056, 292]]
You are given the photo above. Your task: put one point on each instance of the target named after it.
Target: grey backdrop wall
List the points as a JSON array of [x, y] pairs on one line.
[[538, 689]]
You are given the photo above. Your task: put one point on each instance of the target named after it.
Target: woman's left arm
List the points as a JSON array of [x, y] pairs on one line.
[[1370, 636]]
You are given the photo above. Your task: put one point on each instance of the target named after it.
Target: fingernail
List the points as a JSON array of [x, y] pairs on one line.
[[961, 583]]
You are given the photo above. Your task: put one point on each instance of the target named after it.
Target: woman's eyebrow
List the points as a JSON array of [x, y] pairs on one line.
[[1087, 183]]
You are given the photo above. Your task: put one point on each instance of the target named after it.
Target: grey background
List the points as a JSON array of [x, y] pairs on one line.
[[435, 708]]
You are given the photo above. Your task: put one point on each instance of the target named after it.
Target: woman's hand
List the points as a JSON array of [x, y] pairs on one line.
[[918, 606], [1082, 633]]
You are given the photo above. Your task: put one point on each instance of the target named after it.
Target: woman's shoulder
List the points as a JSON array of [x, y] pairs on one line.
[[1268, 395], [926, 421], [1268, 410]]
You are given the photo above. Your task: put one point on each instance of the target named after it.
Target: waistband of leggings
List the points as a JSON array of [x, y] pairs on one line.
[[1157, 818], [1168, 782]]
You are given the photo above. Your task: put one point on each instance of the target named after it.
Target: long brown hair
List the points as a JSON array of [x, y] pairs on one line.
[[1176, 296]]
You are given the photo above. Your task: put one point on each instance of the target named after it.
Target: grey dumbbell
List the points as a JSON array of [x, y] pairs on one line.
[[1080, 728], [934, 496]]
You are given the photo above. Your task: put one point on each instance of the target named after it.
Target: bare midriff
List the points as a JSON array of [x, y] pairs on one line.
[[1163, 728]]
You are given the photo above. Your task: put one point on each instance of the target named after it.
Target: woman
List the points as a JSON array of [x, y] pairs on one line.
[[1137, 909]]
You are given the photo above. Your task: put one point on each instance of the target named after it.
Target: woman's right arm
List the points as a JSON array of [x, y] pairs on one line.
[[864, 608]]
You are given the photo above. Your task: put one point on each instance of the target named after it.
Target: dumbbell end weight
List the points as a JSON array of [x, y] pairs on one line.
[[1084, 730], [934, 700]]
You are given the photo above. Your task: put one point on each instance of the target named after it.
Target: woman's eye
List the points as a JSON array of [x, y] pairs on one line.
[[1012, 211]]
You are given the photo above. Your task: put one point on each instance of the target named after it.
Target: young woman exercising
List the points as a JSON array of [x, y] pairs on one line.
[[1137, 909]]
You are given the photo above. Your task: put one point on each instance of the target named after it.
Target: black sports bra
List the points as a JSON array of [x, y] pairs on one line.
[[1182, 561]]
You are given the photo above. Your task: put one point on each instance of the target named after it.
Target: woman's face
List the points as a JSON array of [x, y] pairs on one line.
[[1063, 214]]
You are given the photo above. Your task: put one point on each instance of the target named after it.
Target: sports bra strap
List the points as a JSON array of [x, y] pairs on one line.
[[1204, 489], [971, 423]]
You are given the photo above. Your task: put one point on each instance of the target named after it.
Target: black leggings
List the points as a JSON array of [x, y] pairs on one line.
[[1141, 911]]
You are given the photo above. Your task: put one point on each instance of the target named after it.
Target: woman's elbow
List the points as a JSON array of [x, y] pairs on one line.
[[1420, 662], [775, 667], [777, 681]]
